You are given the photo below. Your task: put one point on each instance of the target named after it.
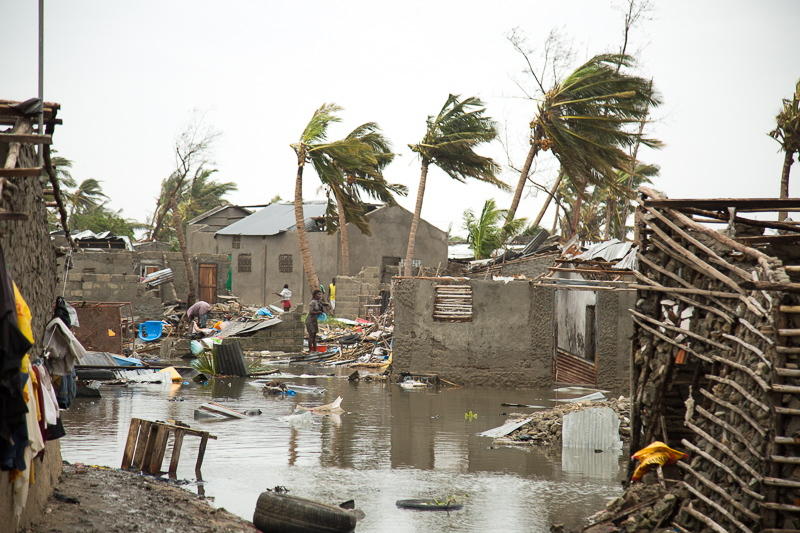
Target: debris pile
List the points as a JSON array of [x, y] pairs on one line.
[[544, 428], [361, 343]]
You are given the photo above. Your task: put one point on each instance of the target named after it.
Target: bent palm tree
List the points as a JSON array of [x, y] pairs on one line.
[[448, 143], [346, 185], [327, 158], [787, 133], [87, 195], [583, 120]]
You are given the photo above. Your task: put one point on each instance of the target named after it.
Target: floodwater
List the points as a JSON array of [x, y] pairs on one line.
[[390, 444]]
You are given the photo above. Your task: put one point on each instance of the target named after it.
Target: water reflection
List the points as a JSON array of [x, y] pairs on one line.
[[390, 444]]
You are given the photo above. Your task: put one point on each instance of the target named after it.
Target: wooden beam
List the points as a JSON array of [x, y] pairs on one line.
[[20, 172], [741, 204], [771, 286], [26, 138], [770, 239]]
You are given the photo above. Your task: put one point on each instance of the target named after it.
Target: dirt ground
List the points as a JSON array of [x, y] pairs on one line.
[[96, 499]]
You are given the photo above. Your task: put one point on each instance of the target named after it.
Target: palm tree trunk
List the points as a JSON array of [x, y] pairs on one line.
[[555, 220], [611, 206], [552, 193], [344, 237], [305, 251], [788, 159], [523, 177], [412, 234], [576, 209], [187, 263]]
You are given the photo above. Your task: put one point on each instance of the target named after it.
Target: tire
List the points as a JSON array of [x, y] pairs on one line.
[[279, 513], [428, 505]]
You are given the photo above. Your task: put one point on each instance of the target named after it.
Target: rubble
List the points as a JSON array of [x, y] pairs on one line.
[[544, 427]]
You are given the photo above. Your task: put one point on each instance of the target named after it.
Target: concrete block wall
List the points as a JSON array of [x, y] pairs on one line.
[[529, 267], [509, 341], [284, 337], [352, 292], [113, 276]]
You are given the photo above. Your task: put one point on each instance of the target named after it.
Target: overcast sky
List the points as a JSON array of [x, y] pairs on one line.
[[129, 75]]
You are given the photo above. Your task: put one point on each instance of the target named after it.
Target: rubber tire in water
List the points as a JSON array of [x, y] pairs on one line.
[[427, 505], [279, 513]]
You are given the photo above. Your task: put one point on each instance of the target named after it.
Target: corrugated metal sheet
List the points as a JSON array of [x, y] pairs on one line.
[[273, 219], [608, 250], [596, 428], [574, 370]]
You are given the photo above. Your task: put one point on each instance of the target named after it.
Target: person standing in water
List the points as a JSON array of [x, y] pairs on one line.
[[315, 308]]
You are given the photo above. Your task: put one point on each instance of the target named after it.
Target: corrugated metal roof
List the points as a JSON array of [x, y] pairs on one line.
[[214, 211], [273, 219]]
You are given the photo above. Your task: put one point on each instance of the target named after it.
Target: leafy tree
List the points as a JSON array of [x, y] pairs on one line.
[[328, 159], [449, 142], [787, 133], [486, 232], [584, 121], [99, 219]]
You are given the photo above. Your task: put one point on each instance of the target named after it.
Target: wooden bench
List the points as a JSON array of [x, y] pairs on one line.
[[147, 445]]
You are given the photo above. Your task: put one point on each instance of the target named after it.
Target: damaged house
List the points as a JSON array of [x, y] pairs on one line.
[[566, 324], [265, 255], [716, 365]]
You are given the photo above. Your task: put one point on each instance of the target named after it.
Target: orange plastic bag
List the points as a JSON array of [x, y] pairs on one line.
[[656, 453]]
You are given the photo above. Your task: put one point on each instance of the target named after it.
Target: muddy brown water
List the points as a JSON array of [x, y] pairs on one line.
[[390, 444]]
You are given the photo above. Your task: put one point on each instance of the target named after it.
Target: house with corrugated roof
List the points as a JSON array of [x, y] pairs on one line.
[[265, 253]]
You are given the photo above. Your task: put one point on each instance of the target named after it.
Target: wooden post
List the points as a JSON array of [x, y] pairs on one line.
[[141, 443], [176, 452], [200, 453], [158, 449], [130, 444]]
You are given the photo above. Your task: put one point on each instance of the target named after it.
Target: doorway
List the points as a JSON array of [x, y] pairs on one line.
[[207, 282]]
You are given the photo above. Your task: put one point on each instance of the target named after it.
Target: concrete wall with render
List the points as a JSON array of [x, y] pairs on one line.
[[31, 262], [389, 227], [509, 342], [613, 339], [113, 276], [200, 235]]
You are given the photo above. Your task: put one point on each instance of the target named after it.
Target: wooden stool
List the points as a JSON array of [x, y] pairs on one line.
[[147, 444]]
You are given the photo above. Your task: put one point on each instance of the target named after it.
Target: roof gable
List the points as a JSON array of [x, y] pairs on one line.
[[273, 219]]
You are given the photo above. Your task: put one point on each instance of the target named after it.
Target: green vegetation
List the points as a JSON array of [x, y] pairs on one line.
[[787, 133], [486, 233]]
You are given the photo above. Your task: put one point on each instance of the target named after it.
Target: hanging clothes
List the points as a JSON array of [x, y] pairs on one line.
[[14, 344], [62, 349]]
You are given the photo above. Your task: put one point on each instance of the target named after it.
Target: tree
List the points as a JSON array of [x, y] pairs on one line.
[[86, 196], [99, 219], [328, 159], [583, 120], [346, 185], [486, 233], [449, 142], [787, 133]]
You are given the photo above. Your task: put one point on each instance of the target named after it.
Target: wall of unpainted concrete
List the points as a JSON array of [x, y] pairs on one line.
[[200, 234], [113, 276], [529, 266], [509, 342], [30, 260], [354, 292], [284, 337], [613, 339]]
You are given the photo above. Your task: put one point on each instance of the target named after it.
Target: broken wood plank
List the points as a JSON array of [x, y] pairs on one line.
[[130, 444], [26, 138], [741, 204], [176, 451], [31, 172], [789, 308]]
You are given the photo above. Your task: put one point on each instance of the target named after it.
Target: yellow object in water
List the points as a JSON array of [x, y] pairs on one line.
[[173, 374], [656, 453]]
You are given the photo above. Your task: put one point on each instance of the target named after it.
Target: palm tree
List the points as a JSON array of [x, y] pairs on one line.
[[87, 195], [583, 120], [449, 142], [61, 165], [346, 184], [328, 159], [787, 133], [485, 233]]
